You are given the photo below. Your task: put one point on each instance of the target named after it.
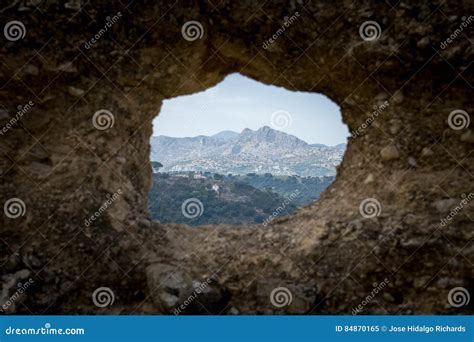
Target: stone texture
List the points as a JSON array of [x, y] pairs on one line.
[[468, 137], [390, 153], [426, 152], [143, 60]]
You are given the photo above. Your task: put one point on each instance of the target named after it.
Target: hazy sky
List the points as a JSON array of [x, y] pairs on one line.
[[239, 102]]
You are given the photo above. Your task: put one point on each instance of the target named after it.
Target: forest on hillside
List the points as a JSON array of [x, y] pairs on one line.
[[229, 199]]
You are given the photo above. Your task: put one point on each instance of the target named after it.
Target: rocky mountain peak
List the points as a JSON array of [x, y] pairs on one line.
[[269, 136], [261, 151]]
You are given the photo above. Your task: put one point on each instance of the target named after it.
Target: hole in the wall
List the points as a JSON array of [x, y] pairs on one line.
[[242, 152]]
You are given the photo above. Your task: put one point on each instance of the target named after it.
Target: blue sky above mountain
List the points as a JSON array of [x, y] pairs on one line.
[[239, 102]]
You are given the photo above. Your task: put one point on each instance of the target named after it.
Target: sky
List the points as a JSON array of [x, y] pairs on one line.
[[239, 102]]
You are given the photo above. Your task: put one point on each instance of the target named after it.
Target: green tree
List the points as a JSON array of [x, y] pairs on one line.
[[156, 166], [218, 176]]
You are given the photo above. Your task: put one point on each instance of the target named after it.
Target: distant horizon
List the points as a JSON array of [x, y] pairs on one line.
[[239, 102], [232, 131]]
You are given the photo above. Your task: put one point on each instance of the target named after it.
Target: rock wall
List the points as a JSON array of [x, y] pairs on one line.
[[393, 233]]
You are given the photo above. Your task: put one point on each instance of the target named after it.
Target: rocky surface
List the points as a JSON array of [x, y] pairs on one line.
[[61, 164], [264, 150]]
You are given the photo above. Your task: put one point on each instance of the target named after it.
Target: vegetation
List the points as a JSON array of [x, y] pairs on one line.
[[230, 199]]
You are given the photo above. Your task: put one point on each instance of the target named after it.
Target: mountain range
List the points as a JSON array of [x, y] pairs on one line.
[[265, 150]]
